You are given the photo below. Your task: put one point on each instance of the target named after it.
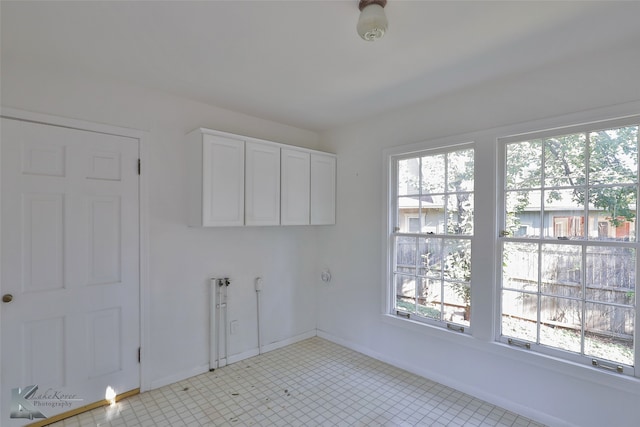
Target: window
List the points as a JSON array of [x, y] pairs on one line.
[[568, 277], [551, 217], [432, 209]]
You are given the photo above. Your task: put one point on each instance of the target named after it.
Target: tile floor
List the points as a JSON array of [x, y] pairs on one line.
[[311, 383]]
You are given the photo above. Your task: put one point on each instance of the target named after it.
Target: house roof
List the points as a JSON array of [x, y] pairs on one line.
[[301, 62]]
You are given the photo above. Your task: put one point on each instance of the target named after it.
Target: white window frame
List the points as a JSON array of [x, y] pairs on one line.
[[501, 168], [391, 161], [485, 316]]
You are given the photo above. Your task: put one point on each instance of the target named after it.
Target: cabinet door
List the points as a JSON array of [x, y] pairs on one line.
[[295, 185], [323, 189], [223, 181], [262, 180]]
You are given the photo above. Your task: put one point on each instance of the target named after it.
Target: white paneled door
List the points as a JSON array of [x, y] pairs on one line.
[[70, 269]]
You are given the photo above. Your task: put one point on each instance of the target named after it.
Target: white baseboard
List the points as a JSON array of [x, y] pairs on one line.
[[465, 388], [179, 376], [270, 347], [279, 344], [183, 375], [241, 356]]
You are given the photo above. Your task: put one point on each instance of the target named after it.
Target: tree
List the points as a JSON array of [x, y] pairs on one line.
[[605, 159]]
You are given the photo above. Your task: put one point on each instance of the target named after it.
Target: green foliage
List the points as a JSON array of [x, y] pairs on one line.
[[458, 268], [619, 202], [421, 309], [602, 158], [462, 291], [457, 264]]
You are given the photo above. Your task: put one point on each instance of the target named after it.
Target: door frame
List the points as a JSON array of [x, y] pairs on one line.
[[143, 214]]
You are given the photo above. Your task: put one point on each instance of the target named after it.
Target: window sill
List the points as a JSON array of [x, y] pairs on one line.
[[441, 332]]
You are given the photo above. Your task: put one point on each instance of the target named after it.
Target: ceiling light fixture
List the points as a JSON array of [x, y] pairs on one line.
[[372, 23]]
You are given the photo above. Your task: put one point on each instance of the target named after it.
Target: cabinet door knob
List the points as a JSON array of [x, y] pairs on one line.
[[7, 298]]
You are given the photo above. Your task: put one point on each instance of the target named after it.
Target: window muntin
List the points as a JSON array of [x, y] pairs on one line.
[[433, 213], [569, 246]]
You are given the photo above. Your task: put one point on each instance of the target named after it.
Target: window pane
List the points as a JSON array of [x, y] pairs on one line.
[[565, 161], [611, 274], [613, 211], [603, 228], [406, 293], [408, 177], [460, 214], [609, 332], [431, 254], [414, 224], [523, 164], [457, 260], [520, 266], [460, 170], [564, 214], [433, 174], [523, 213], [560, 323], [432, 209], [408, 209], [562, 270], [519, 315], [408, 214], [614, 156], [429, 300], [406, 254], [457, 302]]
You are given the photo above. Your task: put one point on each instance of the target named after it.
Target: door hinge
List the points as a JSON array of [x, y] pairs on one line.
[[138, 354], [139, 166]]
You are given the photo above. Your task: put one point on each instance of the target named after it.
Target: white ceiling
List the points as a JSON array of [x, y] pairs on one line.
[[301, 62]]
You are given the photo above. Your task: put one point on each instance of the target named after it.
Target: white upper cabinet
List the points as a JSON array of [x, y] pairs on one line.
[[295, 184], [262, 183], [323, 189], [216, 179], [235, 180]]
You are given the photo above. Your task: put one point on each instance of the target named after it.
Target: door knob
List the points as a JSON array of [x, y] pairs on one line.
[[7, 298]]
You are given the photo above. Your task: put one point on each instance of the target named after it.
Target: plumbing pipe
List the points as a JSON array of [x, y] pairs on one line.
[[258, 285], [218, 310], [213, 323], [221, 305], [226, 321]]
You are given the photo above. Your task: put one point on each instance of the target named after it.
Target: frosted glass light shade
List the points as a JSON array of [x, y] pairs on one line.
[[372, 23]]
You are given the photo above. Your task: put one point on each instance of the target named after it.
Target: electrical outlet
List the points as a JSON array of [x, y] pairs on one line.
[[233, 327]]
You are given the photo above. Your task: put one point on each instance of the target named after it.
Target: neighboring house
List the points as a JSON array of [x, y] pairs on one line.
[[558, 222], [564, 222]]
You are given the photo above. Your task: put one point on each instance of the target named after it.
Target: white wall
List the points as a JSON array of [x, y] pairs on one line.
[[351, 307], [182, 258]]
